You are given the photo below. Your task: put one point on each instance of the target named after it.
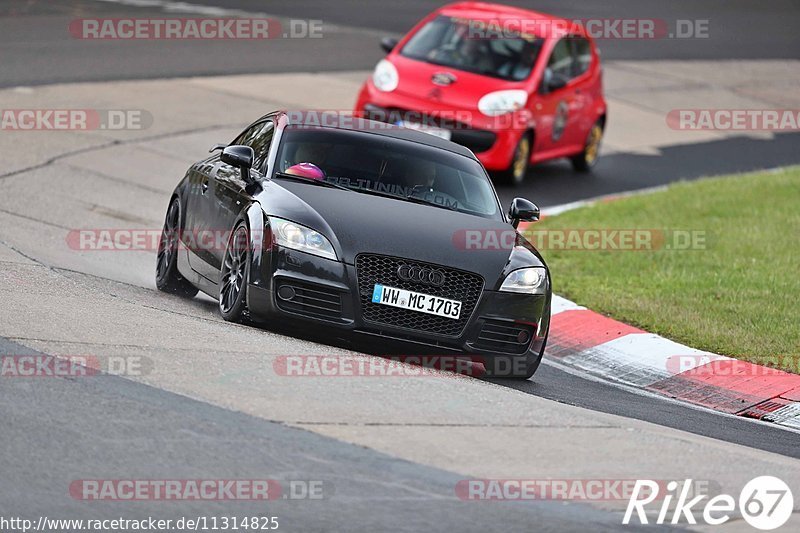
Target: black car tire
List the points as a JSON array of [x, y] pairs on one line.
[[168, 278], [587, 159], [235, 275], [520, 162]]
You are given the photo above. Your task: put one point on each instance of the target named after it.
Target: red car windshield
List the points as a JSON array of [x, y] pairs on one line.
[[475, 47]]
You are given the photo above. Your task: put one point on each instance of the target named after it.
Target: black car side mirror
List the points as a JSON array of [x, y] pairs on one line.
[[522, 210], [241, 157], [388, 44]]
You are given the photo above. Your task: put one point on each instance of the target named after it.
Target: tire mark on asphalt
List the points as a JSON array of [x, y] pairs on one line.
[[32, 219], [115, 179], [116, 142], [64, 271], [58, 157]]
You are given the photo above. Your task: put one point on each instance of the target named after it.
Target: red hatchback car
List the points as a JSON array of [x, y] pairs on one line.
[[515, 86]]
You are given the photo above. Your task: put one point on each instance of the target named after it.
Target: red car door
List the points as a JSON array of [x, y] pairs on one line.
[[586, 87], [557, 107]]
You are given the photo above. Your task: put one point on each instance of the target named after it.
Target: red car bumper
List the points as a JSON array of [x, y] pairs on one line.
[[492, 139]]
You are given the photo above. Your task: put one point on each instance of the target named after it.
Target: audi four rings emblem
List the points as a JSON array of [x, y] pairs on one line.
[[428, 276]]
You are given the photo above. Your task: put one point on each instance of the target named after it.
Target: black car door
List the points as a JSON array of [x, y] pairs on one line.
[[196, 207], [230, 195], [204, 235]]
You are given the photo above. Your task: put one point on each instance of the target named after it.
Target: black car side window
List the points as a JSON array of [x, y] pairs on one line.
[[261, 144], [259, 138], [247, 136]]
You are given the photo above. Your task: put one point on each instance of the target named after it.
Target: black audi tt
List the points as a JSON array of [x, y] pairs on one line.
[[364, 226]]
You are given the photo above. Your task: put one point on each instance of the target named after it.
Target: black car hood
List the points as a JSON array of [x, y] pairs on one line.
[[361, 223]]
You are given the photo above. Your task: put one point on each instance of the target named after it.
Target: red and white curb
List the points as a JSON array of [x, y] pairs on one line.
[[597, 345], [604, 347]]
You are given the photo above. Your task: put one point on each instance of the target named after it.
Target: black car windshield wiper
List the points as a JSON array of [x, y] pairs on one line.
[[312, 181], [408, 198], [374, 192], [418, 200]]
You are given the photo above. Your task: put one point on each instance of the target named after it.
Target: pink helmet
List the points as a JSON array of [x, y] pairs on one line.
[[306, 170]]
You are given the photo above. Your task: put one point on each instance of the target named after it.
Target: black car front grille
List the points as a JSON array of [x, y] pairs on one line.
[[311, 300], [463, 286], [503, 336]]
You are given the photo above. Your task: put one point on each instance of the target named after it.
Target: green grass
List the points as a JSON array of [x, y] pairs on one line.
[[739, 295]]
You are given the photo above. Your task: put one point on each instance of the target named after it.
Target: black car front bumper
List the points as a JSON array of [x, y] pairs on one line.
[[305, 289]]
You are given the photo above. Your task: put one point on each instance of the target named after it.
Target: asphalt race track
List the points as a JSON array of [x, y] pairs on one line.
[[215, 442], [388, 452]]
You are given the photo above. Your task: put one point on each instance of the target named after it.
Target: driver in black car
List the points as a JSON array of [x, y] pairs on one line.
[[424, 180], [426, 174], [419, 177], [316, 153]]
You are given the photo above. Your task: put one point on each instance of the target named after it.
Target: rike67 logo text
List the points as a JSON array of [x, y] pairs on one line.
[[765, 503]]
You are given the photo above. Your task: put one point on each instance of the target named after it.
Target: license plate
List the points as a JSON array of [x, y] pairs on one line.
[[436, 132], [416, 301]]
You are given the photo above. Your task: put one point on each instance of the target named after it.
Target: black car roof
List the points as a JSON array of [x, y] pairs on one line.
[[337, 120]]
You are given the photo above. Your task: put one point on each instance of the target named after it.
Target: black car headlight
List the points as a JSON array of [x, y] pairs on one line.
[[297, 237], [532, 280]]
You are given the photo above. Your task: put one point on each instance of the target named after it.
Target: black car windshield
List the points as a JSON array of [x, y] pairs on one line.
[[475, 46], [377, 164]]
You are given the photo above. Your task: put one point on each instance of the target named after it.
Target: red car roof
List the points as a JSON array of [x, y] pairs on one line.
[[485, 11]]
